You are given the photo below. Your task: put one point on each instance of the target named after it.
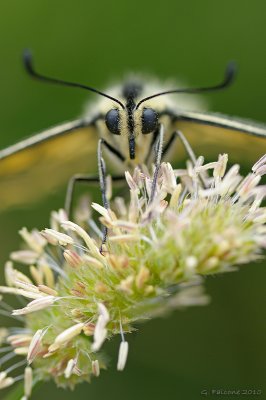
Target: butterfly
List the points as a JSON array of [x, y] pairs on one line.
[[128, 120]]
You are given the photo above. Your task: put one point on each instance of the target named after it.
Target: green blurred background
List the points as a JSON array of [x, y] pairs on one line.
[[221, 346]]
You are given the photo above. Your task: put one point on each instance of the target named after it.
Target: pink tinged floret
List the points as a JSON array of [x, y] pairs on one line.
[[69, 334], [249, 183], [95, 367], [100, 331], [169, 178], [57, 238], [35, 345], [131, 182], [90, 243], [21, 292], [36, 305], [72, 258], [71, 365], [260, 166]]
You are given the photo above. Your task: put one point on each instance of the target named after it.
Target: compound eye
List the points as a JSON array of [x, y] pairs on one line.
[[149, 120], [112, 121]]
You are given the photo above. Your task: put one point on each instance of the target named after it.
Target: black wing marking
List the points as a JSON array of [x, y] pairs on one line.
[[213, 134], [223, 121], [38, 138]]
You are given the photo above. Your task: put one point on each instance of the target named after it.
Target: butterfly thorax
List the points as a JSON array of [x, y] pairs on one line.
[[132, 128]]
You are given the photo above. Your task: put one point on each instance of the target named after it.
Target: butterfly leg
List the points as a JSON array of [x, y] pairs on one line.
[[179, 135], [94, 179], [71, 187], [158, 157], [151, 147], [102, 179]]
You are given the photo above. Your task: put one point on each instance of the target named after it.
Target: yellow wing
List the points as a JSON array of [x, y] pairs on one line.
[[38, 165], [213, 134]]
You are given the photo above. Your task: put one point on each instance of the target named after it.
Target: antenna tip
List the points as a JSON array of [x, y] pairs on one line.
[[27, 59], [231, 70]]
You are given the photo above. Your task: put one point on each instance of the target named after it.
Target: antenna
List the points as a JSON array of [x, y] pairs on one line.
[[230, 73], [28, 63]]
